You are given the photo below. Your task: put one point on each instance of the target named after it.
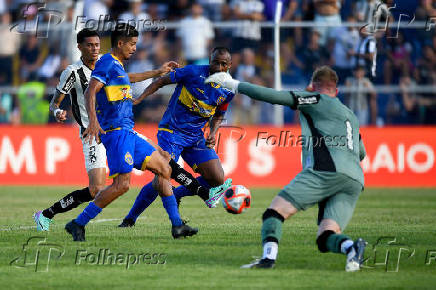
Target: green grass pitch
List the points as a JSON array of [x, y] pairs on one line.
[[224, 242]]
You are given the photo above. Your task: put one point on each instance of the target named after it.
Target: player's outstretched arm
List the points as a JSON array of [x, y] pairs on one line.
[[253, 91], [55, 109], [94, 129], [164, 69], [153, 87]]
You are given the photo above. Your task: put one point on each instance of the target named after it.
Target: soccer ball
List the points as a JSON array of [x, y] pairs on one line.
[[236, 199]]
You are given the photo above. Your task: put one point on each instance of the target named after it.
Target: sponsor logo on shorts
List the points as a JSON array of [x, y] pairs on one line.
[[128, 158], [92, 156]]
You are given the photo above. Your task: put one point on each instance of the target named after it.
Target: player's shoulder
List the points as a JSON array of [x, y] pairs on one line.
[[196, 69]]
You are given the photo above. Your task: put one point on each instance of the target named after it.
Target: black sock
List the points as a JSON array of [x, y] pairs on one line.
[[70, 201], [186, 179]]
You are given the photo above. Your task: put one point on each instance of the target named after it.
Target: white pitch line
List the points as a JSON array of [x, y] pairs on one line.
[[34, 227]]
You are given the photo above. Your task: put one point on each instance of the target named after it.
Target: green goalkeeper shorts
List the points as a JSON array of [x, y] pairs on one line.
[[335, 193]]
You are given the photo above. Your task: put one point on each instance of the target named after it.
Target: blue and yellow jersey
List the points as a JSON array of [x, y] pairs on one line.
[[193, 102], [114, 100]]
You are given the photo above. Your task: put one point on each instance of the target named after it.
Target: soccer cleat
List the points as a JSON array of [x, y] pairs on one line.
[[42, 223], [260, 264], [355, 255], [77, 231], [216, 193], [126, 223], [183, 231]]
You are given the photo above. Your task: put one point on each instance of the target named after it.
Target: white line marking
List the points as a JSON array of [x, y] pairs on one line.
[[17, 228]]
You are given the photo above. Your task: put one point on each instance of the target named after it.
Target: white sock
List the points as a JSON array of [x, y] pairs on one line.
[[270, 250], [345, 245]]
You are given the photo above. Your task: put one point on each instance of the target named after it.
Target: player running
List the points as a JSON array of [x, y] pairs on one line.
[[109, 106], [74, 81], [331, 175], [192, 105]]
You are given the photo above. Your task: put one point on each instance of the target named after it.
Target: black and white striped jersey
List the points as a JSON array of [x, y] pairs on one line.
[[74, 81]]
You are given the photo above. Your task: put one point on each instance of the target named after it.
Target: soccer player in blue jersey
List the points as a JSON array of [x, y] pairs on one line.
[[109, 105], [192, 105]]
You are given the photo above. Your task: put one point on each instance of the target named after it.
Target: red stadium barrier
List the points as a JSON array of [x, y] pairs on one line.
[[253, 156]]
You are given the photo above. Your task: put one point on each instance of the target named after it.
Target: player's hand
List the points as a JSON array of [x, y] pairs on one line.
[[136, 100], [211, 141], [61, 116], [225, 80], [168, 67], [93, 131]]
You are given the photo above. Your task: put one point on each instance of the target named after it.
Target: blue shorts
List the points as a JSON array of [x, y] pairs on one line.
[[193, 154], [125, 150]]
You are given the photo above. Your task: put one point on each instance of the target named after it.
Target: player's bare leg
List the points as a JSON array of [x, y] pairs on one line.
[[273, 218], [330, 239], [97, 179]]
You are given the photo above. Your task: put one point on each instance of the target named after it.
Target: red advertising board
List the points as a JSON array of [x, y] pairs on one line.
[[253, 156]]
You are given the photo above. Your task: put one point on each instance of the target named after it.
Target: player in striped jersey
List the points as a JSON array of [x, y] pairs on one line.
[[74, 81]]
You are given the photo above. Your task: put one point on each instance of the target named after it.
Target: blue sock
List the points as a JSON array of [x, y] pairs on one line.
[[90, 212], [182, 191], [170, 204], [145, 197]]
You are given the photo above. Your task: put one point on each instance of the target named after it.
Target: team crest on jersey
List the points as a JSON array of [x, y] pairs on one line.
[[220, 100], [214, 85], [128, 158], [124, 92]]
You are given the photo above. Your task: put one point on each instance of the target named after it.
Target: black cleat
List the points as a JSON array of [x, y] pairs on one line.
[[183, 231], [260, 264], [77, 231], [355, 255], [126, 223]]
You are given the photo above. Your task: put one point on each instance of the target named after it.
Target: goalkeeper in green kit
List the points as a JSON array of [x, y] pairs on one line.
[[331, 175]]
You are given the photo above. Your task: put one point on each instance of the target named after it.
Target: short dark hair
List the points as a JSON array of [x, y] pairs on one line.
[[84, 33], [324, 74], [220, 50], [122, 30]]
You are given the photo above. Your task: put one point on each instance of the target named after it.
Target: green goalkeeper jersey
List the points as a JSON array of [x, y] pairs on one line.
[[330, 131]]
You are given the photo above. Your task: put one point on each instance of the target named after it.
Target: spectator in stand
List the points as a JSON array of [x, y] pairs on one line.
[[135, 16], [245, 110], [212, 8], [196, 34], [365, 53], [398, 59], [31, 58], [344, 44], [326, 12], [9, 111], [426, 66], [51, 64], [247, 33], [11, 42], [426, 9], [314, 55], [373, 12], [362, 98]]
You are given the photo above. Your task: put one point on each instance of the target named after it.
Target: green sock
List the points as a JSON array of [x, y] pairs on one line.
[[334, 242], [271, 230]]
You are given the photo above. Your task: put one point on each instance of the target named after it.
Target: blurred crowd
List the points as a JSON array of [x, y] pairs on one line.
[[364, 58]]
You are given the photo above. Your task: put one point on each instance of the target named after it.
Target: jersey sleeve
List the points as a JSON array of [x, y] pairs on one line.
[[66, 81], [304, 100], [362, 151], [222, 109], [101, 71], [180, 74]]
